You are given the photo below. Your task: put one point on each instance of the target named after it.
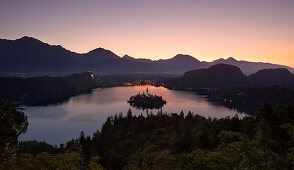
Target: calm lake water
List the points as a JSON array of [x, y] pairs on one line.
[[60, 123]]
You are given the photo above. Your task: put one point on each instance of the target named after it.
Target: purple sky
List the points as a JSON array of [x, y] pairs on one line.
[[256, 30]]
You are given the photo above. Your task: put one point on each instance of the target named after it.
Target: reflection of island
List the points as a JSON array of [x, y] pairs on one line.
[[146, 101]]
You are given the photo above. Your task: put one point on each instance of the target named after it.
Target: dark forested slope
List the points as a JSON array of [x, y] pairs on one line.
[[220, 75], [279, 76], [224, 75], [44, 90]]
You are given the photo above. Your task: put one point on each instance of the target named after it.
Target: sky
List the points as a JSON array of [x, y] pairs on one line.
[[253, 30]]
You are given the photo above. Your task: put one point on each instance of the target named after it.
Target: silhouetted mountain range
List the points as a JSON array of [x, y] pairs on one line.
[[29, 55], [224, 75], [249, 67]]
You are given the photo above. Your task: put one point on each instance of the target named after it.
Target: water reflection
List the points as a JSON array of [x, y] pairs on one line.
[[48, 112], [83, 118], [62, 122]]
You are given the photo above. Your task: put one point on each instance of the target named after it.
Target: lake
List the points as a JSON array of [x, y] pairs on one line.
[[60, 123]]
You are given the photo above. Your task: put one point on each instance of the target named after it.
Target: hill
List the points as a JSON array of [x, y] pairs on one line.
[[279, 76], [224, 75], [220, 75]]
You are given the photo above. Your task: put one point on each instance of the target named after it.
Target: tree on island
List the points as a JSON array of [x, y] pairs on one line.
[[146, 101]]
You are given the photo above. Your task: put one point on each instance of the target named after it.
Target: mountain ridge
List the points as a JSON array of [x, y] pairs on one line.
[[225, 75], [30, 55]]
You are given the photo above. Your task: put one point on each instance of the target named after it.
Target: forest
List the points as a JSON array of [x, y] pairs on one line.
[[248, 99], [161, 141], [228, 76], [45, 90]]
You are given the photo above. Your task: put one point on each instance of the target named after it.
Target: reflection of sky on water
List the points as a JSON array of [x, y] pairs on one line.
[[82, 118], [57, 124], [50, 112]]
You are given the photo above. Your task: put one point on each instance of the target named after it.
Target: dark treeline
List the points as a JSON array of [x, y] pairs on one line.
[[50, 90], [225, 76], [173, 141], [134, 79], [45, 90], [249, 99]]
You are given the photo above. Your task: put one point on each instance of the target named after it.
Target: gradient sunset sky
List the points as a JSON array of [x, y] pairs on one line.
[[255, 30]]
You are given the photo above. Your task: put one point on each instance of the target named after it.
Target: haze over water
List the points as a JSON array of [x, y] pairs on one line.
[[60, 123]]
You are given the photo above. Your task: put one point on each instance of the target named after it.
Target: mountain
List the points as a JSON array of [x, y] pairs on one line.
[[219, 75], [29, 55], [100, 54], [224, 75], [126, 57], [178, 64], [249, 67], [279, 76]]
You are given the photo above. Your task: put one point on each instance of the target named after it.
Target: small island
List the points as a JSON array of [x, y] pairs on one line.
[[146, 101]]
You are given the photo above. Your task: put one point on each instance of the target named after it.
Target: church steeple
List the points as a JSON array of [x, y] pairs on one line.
[[147, 94]]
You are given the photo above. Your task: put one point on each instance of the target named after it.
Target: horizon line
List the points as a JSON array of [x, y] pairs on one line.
[[112, 51]]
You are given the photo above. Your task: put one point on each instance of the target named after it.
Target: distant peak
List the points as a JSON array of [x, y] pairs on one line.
[[184, 57], [231, 59], [128, 57], [24, 37], [97, 50], [220, 60], [103, 53], [228, 60], [28, 39], [59, 47]]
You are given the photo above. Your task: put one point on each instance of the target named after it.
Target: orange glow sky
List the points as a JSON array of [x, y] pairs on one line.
[[254, 30]]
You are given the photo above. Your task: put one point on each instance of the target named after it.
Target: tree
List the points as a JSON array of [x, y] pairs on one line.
[[12, 124], [82, 138]]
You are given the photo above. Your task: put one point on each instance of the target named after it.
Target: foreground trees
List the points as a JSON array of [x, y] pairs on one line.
[[173, 141], [170, 141], [12, 124], [45, 160]]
